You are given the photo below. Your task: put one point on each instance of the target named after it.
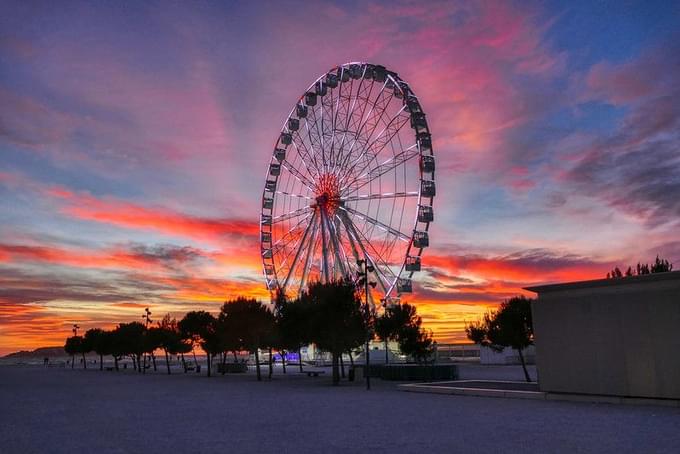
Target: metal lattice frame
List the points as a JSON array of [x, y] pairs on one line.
[[351, 177]]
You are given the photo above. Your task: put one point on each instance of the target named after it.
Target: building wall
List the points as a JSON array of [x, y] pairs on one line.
[[614, 337]]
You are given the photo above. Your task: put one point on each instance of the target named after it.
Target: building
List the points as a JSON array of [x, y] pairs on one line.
[[618, 337]]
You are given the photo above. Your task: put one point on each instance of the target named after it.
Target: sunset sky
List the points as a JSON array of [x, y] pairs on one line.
[[135, 136]]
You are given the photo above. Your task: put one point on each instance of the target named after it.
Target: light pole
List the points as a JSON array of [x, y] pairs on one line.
[[147, 319], [365, 268]]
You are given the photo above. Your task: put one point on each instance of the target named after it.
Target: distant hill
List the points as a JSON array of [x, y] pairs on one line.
[[41, 352]]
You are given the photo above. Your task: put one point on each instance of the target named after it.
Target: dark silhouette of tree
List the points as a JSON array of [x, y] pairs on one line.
[[251, 322], [659, 266], [336, 320], [292, 319], [401, 323], [510, 326], [170, 340], [96, 341], [200, 328], [130, 339], [73, 347]]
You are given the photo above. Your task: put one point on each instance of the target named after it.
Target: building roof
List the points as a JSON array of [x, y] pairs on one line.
[[655, 277]]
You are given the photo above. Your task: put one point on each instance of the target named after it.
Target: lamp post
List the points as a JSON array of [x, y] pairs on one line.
[[75, 329], [365, 268], [147, 319]]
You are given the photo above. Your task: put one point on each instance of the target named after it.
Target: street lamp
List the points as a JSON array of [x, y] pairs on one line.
[[362, 274], [147, 319]]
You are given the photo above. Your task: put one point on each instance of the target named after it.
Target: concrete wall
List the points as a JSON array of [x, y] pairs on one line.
[[614, 337], [487, 355]]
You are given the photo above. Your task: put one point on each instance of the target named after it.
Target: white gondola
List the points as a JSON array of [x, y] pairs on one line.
[[293, 124], [270, 185], [266, 219], [427, 163], [412, 263], [321, 89], [286, 138], [331, 80], [267, 203], [404, 285], [421, 240], [280, 154], [266, 237], [427, 188], [425, 213], [310, 98], [301, 110], [275, 170]]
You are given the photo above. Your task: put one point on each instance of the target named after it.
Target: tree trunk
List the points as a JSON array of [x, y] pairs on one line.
[[153, 359], [235, 357], [195, 360], [300, 358], [283, 360], [144, 363], [387, 356], [524, 366], [84, 362], [271, 366], [184, 363], [134, 363], [208, 359], [257, 364], [336, 369], [139, 362], [73, 361], [101, 362], [167, 361], [351, 359], [342, 367], [115, 362]]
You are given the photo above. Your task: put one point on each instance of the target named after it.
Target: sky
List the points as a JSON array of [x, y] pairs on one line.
[[135, 136]]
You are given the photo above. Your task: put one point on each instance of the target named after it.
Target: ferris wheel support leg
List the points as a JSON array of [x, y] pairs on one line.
[[324, 245], [308, 258], [300, 248], [334, 234]]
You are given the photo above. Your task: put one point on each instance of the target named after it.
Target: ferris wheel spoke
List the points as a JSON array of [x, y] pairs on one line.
[[334, 237], [290, 215], [297, 174], [381, 141], [363, 121], [383, 168], [290, 194], [386, 195], [286, 235], [308, 157], [377, 223]]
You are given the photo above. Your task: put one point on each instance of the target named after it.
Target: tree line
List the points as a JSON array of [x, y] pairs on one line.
[[328, 315], [659, 266]]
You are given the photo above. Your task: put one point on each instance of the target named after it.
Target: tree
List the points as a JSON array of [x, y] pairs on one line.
[[200, 328], [170, 339], [510, 326], [73, 346], [292, 320], [400, 322], [336, 320], [130, 341], [659, 266], [250, 322], [96, 340]]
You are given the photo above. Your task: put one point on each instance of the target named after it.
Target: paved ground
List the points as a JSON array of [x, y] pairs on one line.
[[63, 410]]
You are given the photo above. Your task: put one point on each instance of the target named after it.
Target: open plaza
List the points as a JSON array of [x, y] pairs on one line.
[[64, 410]]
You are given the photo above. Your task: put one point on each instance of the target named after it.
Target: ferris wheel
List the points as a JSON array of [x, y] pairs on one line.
[[351, 178]]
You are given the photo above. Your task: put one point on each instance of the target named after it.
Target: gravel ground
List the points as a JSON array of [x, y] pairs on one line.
[[63, 410]]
